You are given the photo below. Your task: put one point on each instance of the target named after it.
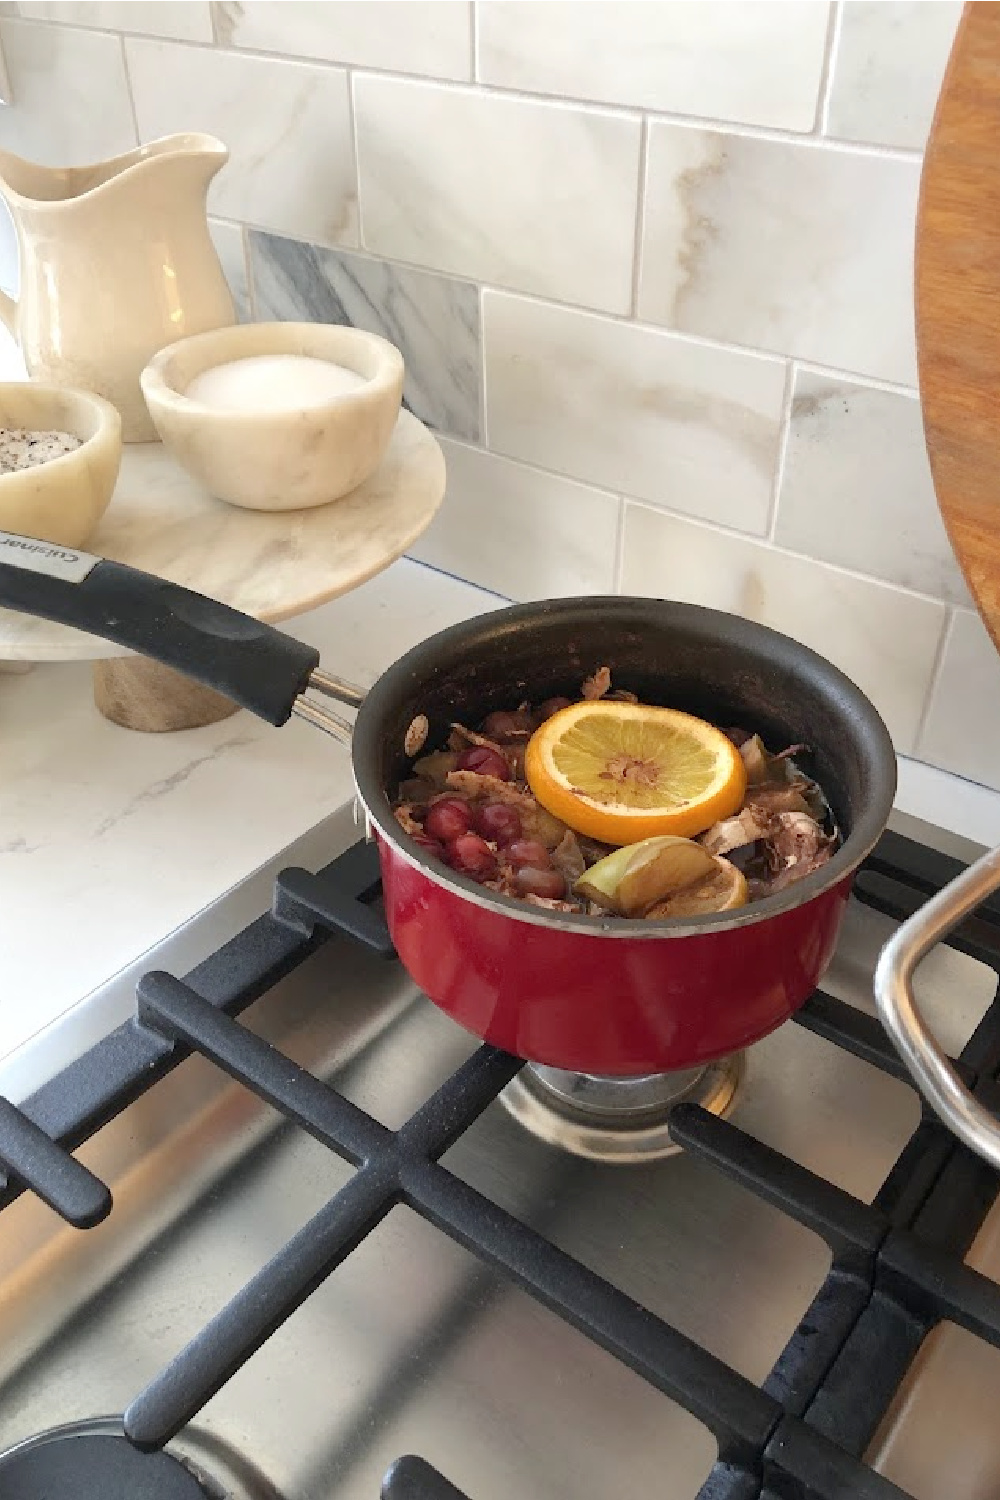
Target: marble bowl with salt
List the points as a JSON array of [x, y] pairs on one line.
[[60, 451], [276, 416]]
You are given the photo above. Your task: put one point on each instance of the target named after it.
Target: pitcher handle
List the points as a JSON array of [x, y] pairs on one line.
[[931, 1070]]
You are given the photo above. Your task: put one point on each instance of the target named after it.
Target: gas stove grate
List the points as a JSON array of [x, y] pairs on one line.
[[897, 1267]]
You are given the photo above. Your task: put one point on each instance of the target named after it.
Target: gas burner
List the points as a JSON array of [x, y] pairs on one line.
[[79, 1461], [617, 1119], [93, 1457]]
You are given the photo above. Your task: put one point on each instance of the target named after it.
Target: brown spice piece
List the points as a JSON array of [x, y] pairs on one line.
[[629, 768], [567, 858], [460, 738], [746, 827], [551, 905], [798, 836], [776, 799], [596, 686], [405, 818], [416, 736]]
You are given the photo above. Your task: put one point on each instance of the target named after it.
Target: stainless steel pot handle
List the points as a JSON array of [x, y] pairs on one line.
[[934, 1075], [325, 718]]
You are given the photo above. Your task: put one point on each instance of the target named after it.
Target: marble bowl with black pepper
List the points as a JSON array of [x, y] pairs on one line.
[[60, 451]]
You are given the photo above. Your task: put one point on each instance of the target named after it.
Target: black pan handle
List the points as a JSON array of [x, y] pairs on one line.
[[260, 668]]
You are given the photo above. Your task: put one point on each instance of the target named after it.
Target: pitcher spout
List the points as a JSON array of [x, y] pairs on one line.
[[27, 185]]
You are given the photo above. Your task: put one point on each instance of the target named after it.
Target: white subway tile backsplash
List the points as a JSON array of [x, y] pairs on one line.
[[633, 409], [57, 77], [519, 532], [228, 242], [653, 416], [888, 68], [287, 126], [962, 730], [536, 197], [798, 249], [857, 490], [724, 59], [430, 37], [884, 639], [182, 20]]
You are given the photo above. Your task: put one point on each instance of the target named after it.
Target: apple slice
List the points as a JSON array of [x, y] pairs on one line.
[[636, 877]]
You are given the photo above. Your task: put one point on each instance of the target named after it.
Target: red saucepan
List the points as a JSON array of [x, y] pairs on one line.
[[591, 994]]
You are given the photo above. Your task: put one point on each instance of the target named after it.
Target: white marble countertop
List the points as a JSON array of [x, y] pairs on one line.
[[122, 851]]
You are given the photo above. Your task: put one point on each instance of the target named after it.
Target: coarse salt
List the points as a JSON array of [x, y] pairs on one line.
[[273, 382]]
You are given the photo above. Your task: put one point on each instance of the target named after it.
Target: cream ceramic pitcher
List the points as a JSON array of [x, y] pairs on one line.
[[116, 261]]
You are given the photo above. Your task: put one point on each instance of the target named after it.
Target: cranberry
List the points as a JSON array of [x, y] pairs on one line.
[[471, 855], [448, 818], [535, 882], [484, 762], [529, 852], [506, 726], [548, 708], [497, 821], [432, 846]]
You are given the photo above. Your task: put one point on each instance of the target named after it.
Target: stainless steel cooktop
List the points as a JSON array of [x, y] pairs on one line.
[[413, 1345]]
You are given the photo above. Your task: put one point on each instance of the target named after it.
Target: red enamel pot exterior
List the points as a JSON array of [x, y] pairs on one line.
[[604, 995], [605, 1005]]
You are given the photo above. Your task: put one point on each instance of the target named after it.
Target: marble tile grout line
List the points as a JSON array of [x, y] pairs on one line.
[[757, 540], [874, 382], [248, 265], [619, 569], [937, 672], [473, 41], [640, 219], [352, 119], [484, 428], [857, 377], [533, 467], [128, 89], [784, 429], [566, 101], [829, 70]]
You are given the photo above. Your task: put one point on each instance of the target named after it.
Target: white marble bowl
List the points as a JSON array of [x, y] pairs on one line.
[[278, 460], [63, 499]]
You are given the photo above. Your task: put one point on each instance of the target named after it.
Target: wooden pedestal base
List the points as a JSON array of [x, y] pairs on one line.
[[140, 694]]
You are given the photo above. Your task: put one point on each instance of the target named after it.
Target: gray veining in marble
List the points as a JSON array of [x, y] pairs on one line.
[[433, 320]]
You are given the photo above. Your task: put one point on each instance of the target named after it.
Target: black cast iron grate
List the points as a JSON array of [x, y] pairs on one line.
[[897, 1264]]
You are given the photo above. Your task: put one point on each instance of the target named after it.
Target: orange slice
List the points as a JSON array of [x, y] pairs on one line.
[[621, 772]]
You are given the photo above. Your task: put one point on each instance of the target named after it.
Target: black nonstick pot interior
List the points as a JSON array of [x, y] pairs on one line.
[[718, 666]]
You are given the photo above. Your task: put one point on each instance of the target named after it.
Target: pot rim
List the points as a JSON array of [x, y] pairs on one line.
[[857, 845], [810, 888]]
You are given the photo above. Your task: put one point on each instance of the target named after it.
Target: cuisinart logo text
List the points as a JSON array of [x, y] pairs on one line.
[[44, 557]]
